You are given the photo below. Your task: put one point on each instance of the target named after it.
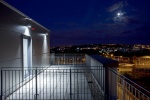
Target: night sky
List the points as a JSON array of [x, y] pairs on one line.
[[74, 22]]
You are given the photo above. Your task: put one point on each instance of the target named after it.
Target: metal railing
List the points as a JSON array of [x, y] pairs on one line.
[[127, 89], [70, 81], [54, 83], [111, 81], [66, 59]]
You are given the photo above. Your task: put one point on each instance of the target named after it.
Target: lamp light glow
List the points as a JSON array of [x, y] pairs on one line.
[[28, 18], [46, 34], [29, 26]]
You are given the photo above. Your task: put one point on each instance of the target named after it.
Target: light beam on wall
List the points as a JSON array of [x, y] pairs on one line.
[[44, 50], [45, 44]]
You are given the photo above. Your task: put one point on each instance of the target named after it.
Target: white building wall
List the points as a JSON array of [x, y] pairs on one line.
[[12, 28]]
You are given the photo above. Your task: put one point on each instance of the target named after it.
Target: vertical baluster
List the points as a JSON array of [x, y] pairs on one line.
[[1, 84], [36, 91], [70, 86]]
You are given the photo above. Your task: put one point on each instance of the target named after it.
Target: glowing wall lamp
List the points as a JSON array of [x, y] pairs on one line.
[[46, 33], [29, 26], [27, 22], [28, 18]]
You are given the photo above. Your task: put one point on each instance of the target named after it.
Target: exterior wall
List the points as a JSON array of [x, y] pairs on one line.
[[40, 50], [13, 27], [105, 78]]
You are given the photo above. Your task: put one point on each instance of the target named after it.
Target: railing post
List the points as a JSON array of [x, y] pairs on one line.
[[106, 79], [1, 85], [70, 86], [36, 93], [123, 89], [64, 59]]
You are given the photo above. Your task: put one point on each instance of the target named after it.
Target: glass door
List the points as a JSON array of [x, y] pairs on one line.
[[26, 57]]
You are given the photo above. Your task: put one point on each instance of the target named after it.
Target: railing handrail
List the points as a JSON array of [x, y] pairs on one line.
[[39, 68], [87, 68], [77, 68], [128, 80]]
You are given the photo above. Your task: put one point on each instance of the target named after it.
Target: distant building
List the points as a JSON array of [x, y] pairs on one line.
[[121, 59], [142, 60]]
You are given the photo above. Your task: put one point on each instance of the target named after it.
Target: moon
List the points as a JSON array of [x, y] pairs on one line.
[[119, 14]]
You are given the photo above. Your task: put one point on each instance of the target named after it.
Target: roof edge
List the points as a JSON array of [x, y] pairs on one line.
[[19, 12]]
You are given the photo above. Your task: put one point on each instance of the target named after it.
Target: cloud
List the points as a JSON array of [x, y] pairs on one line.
[[115, 6], [120, 19], [132, 20], [128, 20]]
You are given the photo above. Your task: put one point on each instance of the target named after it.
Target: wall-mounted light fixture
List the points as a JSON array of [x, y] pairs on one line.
[[28, 18], [29, 26], [28, 21], [46, 33]]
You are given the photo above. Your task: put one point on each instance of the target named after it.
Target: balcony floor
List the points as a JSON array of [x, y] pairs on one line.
[[54, 83]]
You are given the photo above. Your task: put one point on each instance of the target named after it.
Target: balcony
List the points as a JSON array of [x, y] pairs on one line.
[[70, 77]]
